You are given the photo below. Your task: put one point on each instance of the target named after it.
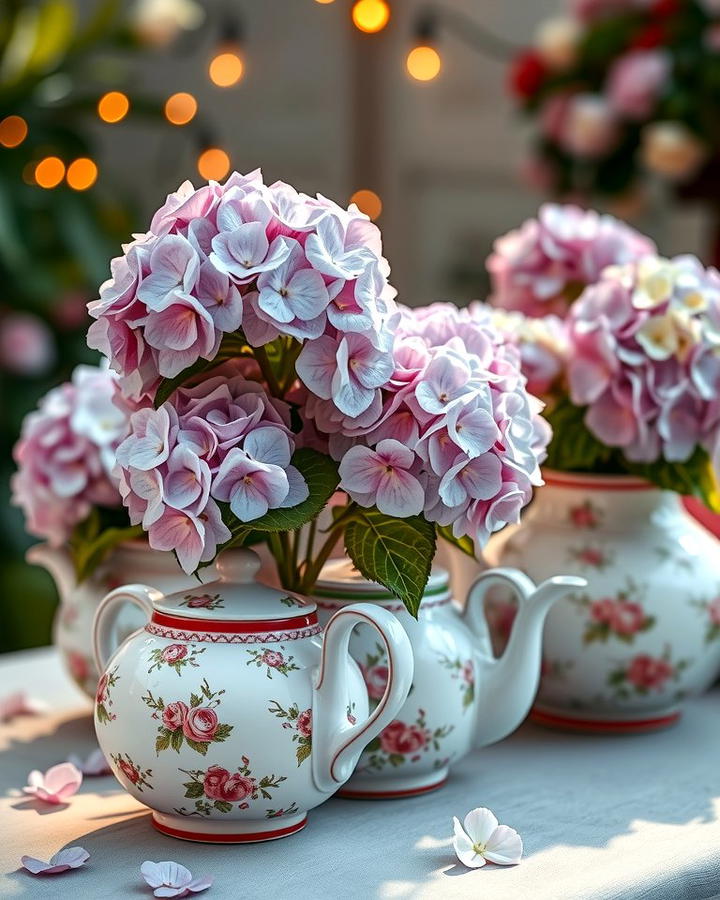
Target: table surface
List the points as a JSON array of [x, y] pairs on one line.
[[607, 818]]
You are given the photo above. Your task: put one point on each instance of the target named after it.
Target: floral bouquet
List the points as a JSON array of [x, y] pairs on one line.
[[622, 87], [255, 330], [65, 456], [631, 375]]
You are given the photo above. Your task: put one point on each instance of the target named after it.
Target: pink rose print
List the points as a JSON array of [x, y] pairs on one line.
[[129, 771], [174, 652], [627, 618], [78, 665], [200, 724], [714, 612], [621, 617], [274, 661], [584, 516], [237, 787], [376, 679], [304, 723], [224, 788], [214, 779], [591, 556], [103, 701], [101, 690], [203, 601], [468, 672], [403, 739], [174, 715], [603, 610], [272, 658], [649, 672]]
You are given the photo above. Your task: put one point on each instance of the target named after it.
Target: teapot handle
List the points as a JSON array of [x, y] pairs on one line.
[[103, 630], [518, 582], [337, 744]]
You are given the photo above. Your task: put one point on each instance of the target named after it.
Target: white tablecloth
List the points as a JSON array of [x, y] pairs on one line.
[[601, 817]]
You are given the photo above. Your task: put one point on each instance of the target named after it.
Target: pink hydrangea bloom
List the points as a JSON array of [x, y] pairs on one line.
[[636, 80], [543, 265], [644, 358], [457, 435], [66, 454], [543, 345], [222, 440], [242, 255]]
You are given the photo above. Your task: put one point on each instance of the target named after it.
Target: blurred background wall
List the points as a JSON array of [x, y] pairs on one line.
[[320, 103]]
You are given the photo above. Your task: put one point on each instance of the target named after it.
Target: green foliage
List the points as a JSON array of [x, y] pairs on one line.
[[693, 478], [232, 346], [464, 543], [573, 448], [397, 553], [94, 539]]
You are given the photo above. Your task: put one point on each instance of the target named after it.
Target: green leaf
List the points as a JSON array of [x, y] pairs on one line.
[[89, 547], [397, 553], [693, 478], [322, 478], [176, 740], [195, 700], [231, 346], [223, 806], [303, 751], [163, 740], [199, 746], [222, 732], [194, 790], [573, 448], [464, 543]]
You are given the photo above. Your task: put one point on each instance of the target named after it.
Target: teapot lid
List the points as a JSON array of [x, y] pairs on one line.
[[235, 596], [340, 579]]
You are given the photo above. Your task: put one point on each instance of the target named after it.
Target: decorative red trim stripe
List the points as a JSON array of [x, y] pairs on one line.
[[607, 726], [235, 627], [321, 603], [250, 838], [598, 483], [350, 794]]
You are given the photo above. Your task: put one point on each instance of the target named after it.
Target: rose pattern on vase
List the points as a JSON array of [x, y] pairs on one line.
[[138, 777], [273, 660], [710, 608], [218, 789], [79, 665], [670, 554], [556, 668], [621, 617], [176, 656], [591, 556], [103, 700], [585, 515], [279, 813], [291, 601], [403, 742], [195, 724], [464, 672], [300, 723], [375, 674], [645, 674], [202, 601]]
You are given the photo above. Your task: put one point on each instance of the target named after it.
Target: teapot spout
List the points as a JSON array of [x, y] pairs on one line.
[[58, 563], [508, 689]]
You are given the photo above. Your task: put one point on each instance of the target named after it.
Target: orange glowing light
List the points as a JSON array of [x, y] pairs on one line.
[[113, 106], [49, 172], [324, 2], [226, 69], [180, 108], [213, 164], [367, 202], [423, 63], [13, 131], [82, 174], [370, 16]]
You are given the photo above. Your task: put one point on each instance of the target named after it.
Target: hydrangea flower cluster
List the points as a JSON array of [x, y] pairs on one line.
[[66, 453], [544, 265], [244, 255], [458, 437], [645, 358], [543, 346], [222, 440]]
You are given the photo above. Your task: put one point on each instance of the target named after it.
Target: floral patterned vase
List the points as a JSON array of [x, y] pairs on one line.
[[72, 629], [230, 715], [621, 654], [461, 696]]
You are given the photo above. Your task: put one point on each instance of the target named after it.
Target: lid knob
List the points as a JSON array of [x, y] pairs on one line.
[[240, 566]]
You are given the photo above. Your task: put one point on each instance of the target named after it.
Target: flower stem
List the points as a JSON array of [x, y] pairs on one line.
[[267, 371]]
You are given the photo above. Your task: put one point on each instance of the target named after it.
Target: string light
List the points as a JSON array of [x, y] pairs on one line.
[[13, 131], [82, 174], [213, 164], [423, 63], [370, 16], [324, 2], [180, 108], [49, 172], [113, 107], [367, 202], [226, 69]]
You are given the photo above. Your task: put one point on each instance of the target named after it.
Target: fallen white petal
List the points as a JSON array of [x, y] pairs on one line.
[[464, 848], [505, 846], [480, 839], [72, 858], [480, 824]]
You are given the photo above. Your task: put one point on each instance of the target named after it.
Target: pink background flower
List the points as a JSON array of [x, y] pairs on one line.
[[399, 737], [649, 672]]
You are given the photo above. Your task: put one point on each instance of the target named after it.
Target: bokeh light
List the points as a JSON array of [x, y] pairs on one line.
[[423, 63], [13, 131], [226, 69], [368, 202], [49, 172], [213, 163], [82, 174], [370, 16], [113, 106], [180, 108]]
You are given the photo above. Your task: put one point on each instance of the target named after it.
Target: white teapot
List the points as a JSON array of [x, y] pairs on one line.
[[230, 715]]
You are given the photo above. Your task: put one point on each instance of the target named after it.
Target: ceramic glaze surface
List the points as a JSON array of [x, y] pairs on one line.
[[231, 726], [460, 697], [72, 629], [645, 633]]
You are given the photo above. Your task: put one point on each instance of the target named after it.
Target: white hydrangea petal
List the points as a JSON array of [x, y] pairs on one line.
[[505, 846], [479, 824]]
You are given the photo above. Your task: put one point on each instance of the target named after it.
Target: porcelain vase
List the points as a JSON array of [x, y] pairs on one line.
[[622, 654]]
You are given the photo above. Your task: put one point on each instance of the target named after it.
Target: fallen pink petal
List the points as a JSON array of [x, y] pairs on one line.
[[19, 704], [171, 879], [56, 785], [72, 858]]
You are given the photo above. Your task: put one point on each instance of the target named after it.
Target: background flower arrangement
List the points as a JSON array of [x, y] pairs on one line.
[[623, 88]]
